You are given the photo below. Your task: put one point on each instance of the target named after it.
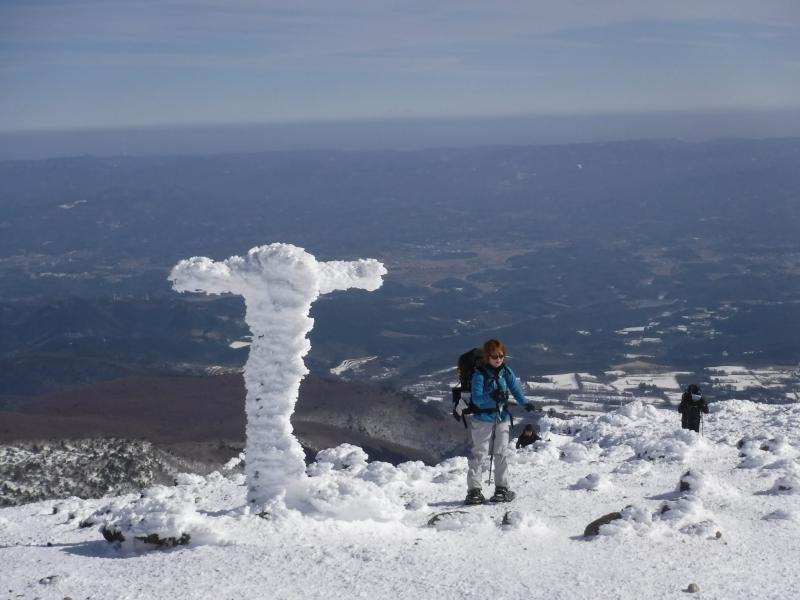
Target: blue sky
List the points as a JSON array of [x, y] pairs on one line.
[[124, 63]]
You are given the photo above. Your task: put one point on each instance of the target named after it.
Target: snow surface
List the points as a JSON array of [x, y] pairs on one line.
[[351, 364], [666, 381], [279, 282], [559, 381], [362, 529]]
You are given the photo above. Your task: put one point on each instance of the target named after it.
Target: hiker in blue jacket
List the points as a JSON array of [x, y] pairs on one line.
[[492, 384]]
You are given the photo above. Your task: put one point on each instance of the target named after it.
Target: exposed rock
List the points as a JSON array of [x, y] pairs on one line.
[[115, 535], [513, 519], [693, 588], [112, 535], [169, 542], [690, 481], [443, 515], [455, 520], [593, 528]]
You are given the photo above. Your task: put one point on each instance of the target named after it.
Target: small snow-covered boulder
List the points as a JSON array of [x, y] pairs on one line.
[[687, 515], [787, 484], [575, 453], [691, 481], [593, 482], [345, 457], [382, 473], [162, 516]]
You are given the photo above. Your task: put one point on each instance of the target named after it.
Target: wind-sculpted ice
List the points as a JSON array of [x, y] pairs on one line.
[[278, 282]]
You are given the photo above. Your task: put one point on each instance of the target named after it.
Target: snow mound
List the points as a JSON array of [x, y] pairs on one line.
[[788, 484], [593, 482], [635, 430], [161, 516], [346, 499], [539, 453], [783, 515], [686, 515], [343, 485], [343, 457], [517, 519], [634, 466], [577, 453]]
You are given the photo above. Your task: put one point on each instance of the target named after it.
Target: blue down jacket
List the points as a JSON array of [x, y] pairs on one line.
[[484, 383]]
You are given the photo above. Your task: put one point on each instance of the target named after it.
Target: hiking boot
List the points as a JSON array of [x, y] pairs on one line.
[[475, 496], [502, 494]]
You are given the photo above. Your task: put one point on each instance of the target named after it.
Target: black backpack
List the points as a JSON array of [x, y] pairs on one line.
[[468, 363]]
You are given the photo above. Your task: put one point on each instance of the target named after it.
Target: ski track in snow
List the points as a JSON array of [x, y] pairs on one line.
[[632, 457]]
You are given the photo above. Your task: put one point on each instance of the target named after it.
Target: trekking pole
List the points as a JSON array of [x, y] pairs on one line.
[[491, 451]]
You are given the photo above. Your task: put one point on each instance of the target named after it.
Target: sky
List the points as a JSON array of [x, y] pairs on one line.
[[99, 64]]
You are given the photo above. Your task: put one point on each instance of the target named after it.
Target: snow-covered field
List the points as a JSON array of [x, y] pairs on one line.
[[359, 529], [561, 381]]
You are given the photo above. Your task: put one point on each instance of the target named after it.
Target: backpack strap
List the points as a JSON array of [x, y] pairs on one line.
[[503, 370]]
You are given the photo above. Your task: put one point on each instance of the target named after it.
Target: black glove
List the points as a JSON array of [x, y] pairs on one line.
[[530, 407], [499, 396]]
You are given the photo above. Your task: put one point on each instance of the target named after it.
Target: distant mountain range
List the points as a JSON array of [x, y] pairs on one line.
[[554, 249], [174, 411]]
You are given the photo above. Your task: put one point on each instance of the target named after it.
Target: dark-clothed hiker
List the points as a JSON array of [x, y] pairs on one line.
[[527, 437], [692, 407], [492, 383]]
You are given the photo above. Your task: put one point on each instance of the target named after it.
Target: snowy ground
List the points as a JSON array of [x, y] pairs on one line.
[[734, 533]]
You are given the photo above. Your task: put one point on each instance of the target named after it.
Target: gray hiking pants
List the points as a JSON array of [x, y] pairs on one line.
[[479, 437]]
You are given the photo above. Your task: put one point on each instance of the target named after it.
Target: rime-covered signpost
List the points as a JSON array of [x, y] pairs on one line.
[[278, 282]]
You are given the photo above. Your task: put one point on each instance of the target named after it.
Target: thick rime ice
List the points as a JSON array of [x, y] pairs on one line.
[[278, 282]]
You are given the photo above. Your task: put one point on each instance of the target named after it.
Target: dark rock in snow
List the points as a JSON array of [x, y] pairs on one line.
[[169, 542], [693, 588], [112, 535], [439, 516], [593, 528], [687, 481], [115, 535]]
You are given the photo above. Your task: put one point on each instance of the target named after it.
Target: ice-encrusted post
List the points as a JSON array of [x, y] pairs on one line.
[[278, 282]]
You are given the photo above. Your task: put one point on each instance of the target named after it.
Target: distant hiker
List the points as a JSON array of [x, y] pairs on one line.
[[489, 426], [691, 408], [527, 437]]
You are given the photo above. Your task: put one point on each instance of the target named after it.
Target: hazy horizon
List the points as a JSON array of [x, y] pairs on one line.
[[399, 134], [392, 75]]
